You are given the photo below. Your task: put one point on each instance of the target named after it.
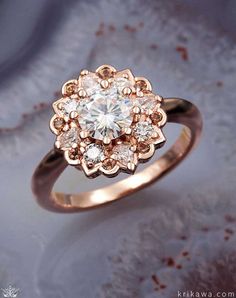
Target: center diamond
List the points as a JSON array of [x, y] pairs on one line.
[[105, 114]]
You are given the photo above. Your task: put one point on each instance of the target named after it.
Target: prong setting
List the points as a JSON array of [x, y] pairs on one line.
[[131, 166], [127, 91], [84, 134], [104, 84], [136, 110], [82, 93], [106, 140], [73, 115], [108, 120], [84, 72]]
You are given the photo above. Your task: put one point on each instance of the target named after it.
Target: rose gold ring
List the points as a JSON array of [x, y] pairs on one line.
[[107, 122]]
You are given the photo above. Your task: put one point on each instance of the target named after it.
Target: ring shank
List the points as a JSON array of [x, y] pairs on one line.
[[178, 111]]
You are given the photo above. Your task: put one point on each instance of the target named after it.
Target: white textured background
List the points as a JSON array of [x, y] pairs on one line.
[[176, 235]]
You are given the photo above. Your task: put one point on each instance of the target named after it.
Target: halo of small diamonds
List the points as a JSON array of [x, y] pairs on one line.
[[108, 120]]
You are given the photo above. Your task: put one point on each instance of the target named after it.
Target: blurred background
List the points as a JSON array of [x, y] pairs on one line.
[[177, 235]]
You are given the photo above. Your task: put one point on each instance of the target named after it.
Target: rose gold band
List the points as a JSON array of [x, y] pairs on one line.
[[178, 111]]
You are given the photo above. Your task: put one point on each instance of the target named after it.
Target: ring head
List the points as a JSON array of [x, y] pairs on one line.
[[108, 121]]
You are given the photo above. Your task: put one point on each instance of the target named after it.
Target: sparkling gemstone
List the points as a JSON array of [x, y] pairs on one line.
[[94, 153], [105, 114], [146, 102], [70, 105], [143, 131], [68, 138], [90, 83], [120, 83], [123, 153]]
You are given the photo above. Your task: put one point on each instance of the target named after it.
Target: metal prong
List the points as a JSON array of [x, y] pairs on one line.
[[73, 114], [155, 134], [159, 98], [60, 106], [131, 166], [139, 93], [106, 140], [90, 164], [136, 110], [84, 134], [127, 130], [149, 112], [127, 91], [103, 158], [73, 124], [114, 156], [82, 149], [66, 118], [104, 84], [84, 72], [82, 93], [66, 127]]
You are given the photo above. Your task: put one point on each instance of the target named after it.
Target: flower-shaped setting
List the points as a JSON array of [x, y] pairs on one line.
[[107, 121]]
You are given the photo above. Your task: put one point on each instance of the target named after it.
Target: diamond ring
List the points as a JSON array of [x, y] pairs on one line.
[[107, 122]]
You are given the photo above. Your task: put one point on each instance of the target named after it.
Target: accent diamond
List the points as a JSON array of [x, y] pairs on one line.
[[94, 153], [123, 153], [120, 83], [146, 102], [90, 83], [70, 105], [143, 131], [68, 138]]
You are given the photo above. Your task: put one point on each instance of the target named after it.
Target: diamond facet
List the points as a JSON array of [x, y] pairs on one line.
[[121, 83], [143, 131], [105, 114], [123, 153], [70, 105], [94, 153], [146, 102], [68, 138], [90, 83]]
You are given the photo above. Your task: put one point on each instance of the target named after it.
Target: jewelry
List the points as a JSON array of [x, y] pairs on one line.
[[108, 122]]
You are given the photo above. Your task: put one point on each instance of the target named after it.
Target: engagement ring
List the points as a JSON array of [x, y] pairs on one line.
[[107, 122]]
